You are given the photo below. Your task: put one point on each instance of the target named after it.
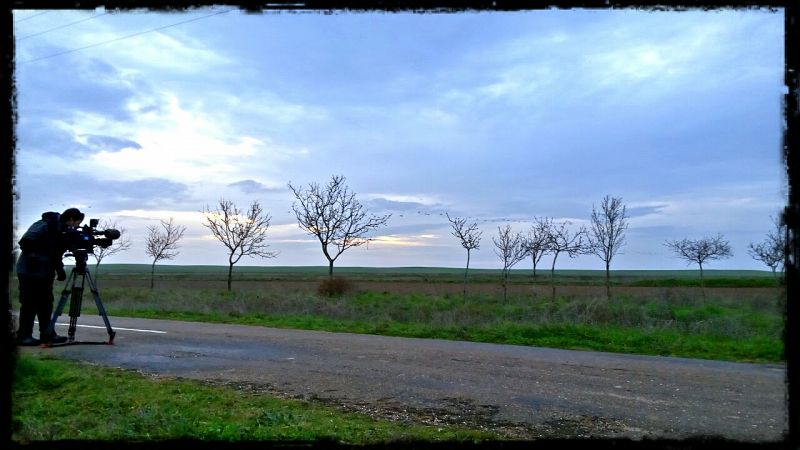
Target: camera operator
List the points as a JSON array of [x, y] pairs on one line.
[[42, 248]]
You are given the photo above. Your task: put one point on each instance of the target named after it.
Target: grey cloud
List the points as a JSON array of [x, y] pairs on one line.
[[94, 87], [644, 210], [151, 193], [110, 143], [253, 187], [38, 136]]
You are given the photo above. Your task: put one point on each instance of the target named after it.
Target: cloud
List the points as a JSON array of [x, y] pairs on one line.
[[104, 194], [422, 240], [160, 214], [707, 212], [81, 85], [254, 187], [405, 202], [108, 143], [637, 209]]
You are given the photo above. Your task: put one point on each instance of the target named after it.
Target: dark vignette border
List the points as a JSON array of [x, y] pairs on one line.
[[791, 215]]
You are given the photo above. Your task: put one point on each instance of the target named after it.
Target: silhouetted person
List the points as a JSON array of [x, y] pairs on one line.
[[42, 248]]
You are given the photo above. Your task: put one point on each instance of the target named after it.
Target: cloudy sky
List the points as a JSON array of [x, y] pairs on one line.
[[138, 117]]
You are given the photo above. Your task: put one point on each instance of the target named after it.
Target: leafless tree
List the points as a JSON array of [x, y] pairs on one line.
[[162, 243], [563, 240], [608, 233], [119, 245], [771, 251], [510, 249], [334, 215], [469, 236], [701, 250], [242, 235], [537, 241]]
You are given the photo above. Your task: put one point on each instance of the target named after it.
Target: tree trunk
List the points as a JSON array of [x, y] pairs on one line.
[[465, 277], [702, 282], [505, 288], [330, 260], [553, 276], [230, 275], [608, 283], [152, 274]]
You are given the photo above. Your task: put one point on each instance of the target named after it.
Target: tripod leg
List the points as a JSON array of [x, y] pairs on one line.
[[75, 307], [61, 302], [100, 308]]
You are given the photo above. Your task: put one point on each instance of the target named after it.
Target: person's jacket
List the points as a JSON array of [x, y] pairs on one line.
[[42, 248]]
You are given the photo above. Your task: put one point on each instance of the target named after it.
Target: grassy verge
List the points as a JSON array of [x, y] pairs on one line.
[[660, 342], [662, 322], [57, 400], [737, 316]]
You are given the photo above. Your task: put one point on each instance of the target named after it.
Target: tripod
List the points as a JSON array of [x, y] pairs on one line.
[[74, 287]]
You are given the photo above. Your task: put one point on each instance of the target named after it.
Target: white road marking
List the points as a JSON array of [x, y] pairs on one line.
[[114, 328]]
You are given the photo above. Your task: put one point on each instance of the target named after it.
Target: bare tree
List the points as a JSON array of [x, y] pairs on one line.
[[119, 245], [771, 251], [608, 233], [510, 249], [538, 239], [701, 250], [162, 243], [562, 240], [334, 215], [470, 239], [242, 235]]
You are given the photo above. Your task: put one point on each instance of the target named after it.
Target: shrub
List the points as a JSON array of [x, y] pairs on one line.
[[335, 287]]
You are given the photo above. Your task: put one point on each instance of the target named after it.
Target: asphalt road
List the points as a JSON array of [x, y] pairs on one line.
[[525, 391]]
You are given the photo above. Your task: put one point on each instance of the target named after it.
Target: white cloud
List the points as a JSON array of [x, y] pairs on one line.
[[153, 215], [172, 51], [394, 240], [183, 143]]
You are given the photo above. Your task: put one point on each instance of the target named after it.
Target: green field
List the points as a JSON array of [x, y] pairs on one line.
[[745, 278], [737, 315]]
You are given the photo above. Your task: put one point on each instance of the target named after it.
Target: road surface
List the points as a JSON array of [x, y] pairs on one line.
[[525, 392]]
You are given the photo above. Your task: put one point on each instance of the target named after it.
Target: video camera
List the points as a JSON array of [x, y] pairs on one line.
[[83, 239]]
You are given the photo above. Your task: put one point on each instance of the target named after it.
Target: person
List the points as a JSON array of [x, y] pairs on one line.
[[42, 248]]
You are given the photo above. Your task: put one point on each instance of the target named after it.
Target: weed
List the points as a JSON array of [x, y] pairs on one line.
[[335, 287]]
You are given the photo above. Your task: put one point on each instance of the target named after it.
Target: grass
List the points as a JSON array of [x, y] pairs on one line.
[[59, 400], [738, 316], [732, 278], [659, 322]]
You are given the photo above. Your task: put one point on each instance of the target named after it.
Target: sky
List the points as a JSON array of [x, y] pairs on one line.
[[136, 117]]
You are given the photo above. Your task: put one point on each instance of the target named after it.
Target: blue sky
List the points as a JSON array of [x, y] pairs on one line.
[[137, 117]]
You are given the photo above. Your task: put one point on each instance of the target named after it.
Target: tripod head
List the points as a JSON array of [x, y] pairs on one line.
[[81, 256]]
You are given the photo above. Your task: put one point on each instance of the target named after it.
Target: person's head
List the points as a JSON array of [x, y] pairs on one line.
[[72, 217]]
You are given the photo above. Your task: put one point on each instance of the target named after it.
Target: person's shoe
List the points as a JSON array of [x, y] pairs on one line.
[[28, 341], [55, 339]]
